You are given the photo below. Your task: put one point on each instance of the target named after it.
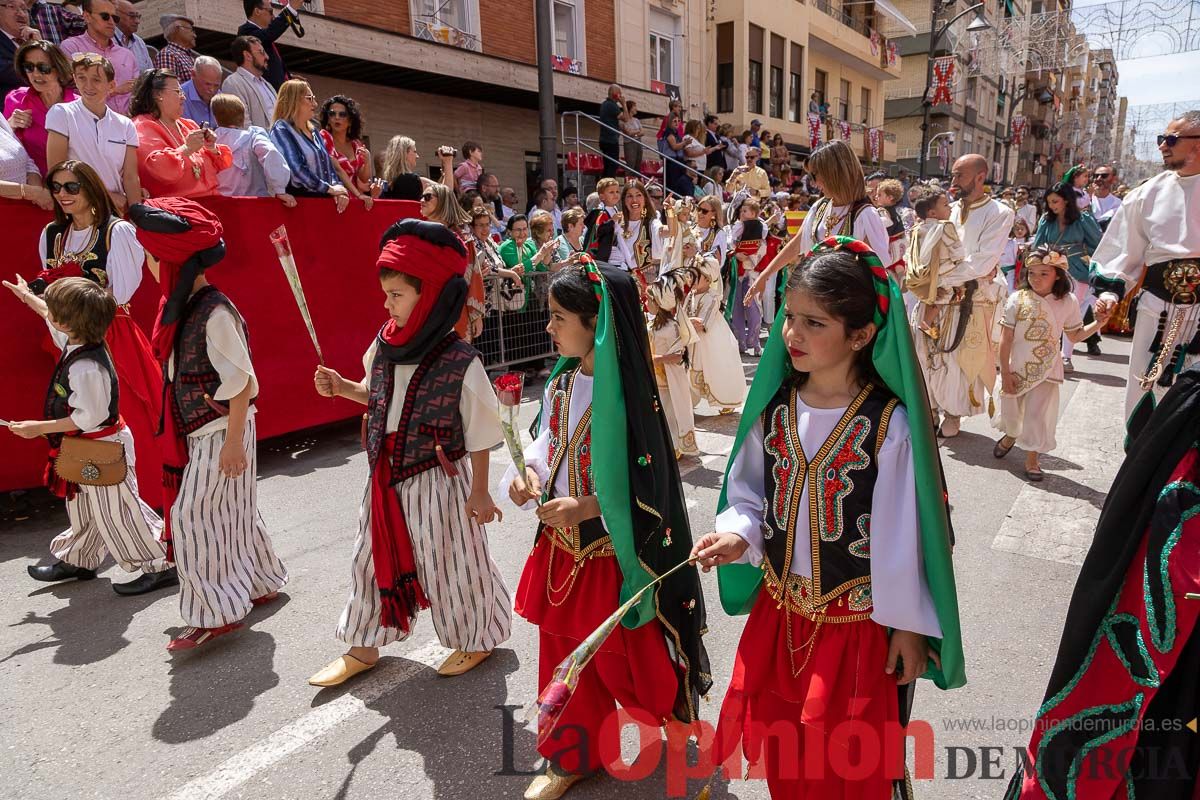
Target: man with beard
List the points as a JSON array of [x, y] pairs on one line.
[[1156, 234]]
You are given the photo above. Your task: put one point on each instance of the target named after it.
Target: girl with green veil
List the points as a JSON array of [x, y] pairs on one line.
[[833, 534], [611, 518]]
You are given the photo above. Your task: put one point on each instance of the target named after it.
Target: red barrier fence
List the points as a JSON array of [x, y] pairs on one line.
[[335, 254]]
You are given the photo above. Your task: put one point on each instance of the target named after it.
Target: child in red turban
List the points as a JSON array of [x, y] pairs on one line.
[[217, 537], [421, 541]]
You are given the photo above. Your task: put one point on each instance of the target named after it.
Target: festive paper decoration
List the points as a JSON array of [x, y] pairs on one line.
[[1017, 133], [874, 143], [875, 41], [814, 131], [844, 129], [893, 54], [943, 79], [943, 154]]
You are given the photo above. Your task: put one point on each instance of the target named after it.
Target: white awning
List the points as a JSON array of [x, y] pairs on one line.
[[888, 8]]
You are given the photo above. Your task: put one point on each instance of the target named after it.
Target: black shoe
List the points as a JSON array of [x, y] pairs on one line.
[[60, 571], [1093, 348], [148, 582]]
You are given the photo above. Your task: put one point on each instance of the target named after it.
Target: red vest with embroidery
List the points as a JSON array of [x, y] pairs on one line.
[[841, 479], [572, 452]]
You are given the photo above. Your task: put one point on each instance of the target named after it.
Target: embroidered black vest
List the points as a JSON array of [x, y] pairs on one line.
[[196, 379], [600, 239], [843, 474], [430, 418], [92, 259], [896, 226], [58, 393], [574, 452]]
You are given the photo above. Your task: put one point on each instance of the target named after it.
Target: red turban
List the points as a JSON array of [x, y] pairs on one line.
[[185, 238], [434, 254]]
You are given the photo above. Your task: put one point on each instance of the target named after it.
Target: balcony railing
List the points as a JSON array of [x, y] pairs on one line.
[[844, 17], [431, 29]]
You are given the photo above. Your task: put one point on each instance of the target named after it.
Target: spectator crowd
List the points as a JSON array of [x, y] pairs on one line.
[[83, 92]]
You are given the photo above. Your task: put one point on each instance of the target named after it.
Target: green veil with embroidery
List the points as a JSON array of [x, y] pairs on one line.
[[895, 360], [636, 475]]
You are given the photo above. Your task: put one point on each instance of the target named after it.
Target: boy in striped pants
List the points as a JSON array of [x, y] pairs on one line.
[[217, 537]]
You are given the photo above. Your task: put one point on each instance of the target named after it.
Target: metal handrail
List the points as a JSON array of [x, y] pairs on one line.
[[588, 145]]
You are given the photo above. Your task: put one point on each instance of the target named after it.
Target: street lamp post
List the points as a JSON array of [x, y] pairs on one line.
[[978, 24]]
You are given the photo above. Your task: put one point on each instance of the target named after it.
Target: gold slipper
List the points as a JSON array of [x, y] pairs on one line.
[[340, 670], [461, 661], [551, 785]]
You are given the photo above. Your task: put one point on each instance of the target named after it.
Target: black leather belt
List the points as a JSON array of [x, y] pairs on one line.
[[1176, 281]]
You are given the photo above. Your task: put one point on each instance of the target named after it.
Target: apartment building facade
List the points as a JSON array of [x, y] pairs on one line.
[[768, 62], [448, 71], [975, 120]]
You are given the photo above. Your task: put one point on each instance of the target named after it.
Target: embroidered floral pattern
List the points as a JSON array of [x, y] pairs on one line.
[[846, 455], [788, 464], [862, 547], [859, 597], [1031, 316]]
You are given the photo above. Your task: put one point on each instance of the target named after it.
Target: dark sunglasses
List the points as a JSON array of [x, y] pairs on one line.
[[426, 196], [107, 17], [29, 69], [1172, 139], [339, 114], [70, 187]]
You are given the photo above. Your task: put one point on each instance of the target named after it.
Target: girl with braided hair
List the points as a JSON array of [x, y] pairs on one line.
[[844, 614]]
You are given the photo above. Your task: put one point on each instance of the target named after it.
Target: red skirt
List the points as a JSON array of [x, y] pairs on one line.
[[139, 377], [820, 725], [632, 669]]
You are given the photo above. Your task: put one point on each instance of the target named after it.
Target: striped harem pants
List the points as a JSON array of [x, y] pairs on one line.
[[471, 606], [222, 548], [112, 519]]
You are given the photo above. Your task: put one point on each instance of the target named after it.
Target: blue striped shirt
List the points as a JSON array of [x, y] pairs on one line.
[[312, 168]]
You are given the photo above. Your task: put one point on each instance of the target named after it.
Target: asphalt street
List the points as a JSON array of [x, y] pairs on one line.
[[94, 706]]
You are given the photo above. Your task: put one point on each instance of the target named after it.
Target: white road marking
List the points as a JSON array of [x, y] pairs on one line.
[[316, 723]]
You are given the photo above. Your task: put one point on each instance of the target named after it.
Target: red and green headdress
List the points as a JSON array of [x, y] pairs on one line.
[[895, 360]]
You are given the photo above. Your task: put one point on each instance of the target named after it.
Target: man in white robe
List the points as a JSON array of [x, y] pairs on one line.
[[1154, 234], [959, 380]]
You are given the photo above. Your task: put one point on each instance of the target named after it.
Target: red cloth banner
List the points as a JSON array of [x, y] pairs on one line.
[[943, 79], [844, 129], [335, 254], [814, 131], [1018, 129], [893, 55]]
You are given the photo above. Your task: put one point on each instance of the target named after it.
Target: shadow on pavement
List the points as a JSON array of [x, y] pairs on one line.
[[90, 627], [217, 685]]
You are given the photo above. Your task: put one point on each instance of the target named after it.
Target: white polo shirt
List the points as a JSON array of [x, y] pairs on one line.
[[100, 142]]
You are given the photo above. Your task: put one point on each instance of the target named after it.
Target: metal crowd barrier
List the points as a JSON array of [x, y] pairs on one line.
[[514, 328]]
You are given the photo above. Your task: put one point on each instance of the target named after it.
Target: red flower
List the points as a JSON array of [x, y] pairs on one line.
[[509, 387]]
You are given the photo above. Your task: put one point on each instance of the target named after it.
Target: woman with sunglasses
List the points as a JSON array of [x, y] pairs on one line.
[[712, 237], [341, 128], [48, 75], [294, 132], [87, 239], [438, 204], [176, 157]]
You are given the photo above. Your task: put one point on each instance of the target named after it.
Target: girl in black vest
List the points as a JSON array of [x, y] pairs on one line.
[[594, 548], [844, 613]]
